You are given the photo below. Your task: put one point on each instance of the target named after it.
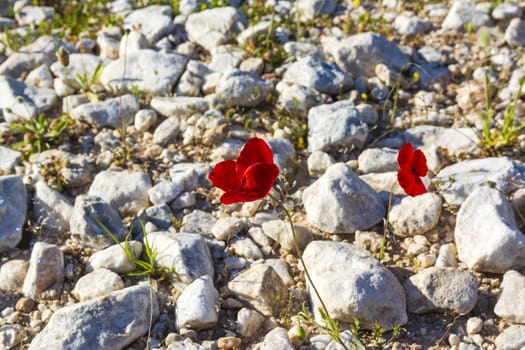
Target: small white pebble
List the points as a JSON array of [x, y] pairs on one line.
[[478, 339], [474, 325], [453, 339], [46, 315], [7, 311], [426, 259]]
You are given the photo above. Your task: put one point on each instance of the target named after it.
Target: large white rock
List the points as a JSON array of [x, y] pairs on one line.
[[415, 215], [441, 289], [338, 125], [186, 253], [125, 191], [213, 27], [96, 284], [457, 181], [152, 21], [360, 54], [145, 70], [340, 202], [197, 306], [109, 322], [320, 75], [487, 238], [353, 284]]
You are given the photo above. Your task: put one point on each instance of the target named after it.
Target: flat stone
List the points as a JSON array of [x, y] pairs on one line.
[[463, 12], [46, 272], [411, 26], [415, 215], [88, 232], [113, 112], [197, 305], [443, 290], [115, 259], [340, 202], [146, 70], [213, 27], [179, 106], [486, 235], [338, 125], [245, 89], [167, 131], [506, 10], [126, 191], [198, 221], [34, 15], [96, 284], [320, 75], [511, 301], [51, 209], [359, 54], [153, 21], [13, 206], [21, 102], [186, 253], [368, 291], [110, 322], [457, 181], [261, 288], [378, 160]]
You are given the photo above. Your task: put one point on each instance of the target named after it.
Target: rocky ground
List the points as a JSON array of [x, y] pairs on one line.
[[113, 114]]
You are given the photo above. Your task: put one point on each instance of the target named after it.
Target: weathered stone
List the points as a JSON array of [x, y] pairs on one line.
[[486, 234], [97, 284], [46, 272], [197, 305], [367, 291], [186, 253], [260, 287], [109, 322], [442, 289], [340, 202], [415, 215]]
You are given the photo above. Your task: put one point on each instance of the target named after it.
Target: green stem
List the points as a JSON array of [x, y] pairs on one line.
[[300, 257]]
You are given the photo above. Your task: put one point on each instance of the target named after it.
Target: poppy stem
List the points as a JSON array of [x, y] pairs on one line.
[[300, 257]]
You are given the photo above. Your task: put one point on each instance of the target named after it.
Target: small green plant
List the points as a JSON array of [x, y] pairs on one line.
[[506, 133], [355, 327], [85, 83], [39, 134], [146, 267], [377, 332]]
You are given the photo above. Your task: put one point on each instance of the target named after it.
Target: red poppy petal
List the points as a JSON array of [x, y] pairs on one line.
[[405, 154], [259, 178], [419, 163], [411, 184], [224, 176], [238, 197], [255, 150]]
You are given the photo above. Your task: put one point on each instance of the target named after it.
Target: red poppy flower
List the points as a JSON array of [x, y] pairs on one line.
[[248, 178], [413, 165]]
